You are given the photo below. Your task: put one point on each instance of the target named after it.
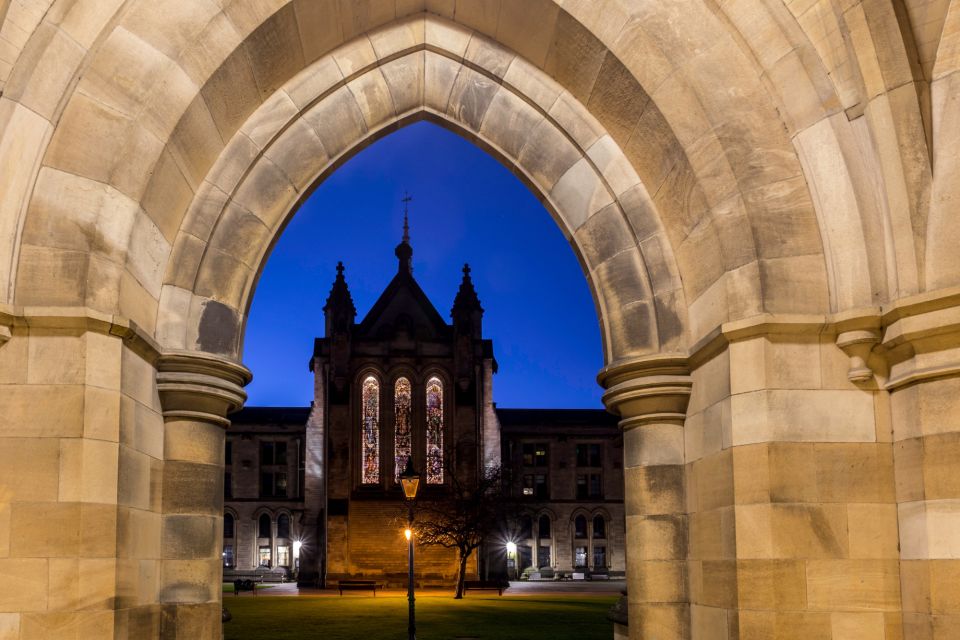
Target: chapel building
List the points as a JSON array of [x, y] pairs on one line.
[[315, 491]]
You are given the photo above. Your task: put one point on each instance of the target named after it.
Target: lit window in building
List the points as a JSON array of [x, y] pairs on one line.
[[580, 557], [228, 555], [370, 426], [227, 525], [434, 431], [283, 556], [264, 555], [580, 527], [283, 526], [403, 438], [599, 527], [535, 454], [536, 485]]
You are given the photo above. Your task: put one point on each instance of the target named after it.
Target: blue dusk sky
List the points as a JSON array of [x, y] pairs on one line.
[[466, 207]]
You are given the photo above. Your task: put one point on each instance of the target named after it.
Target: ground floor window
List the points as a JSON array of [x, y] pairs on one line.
[[543, 556], [228, 555], [283, 556], [599, 557], [580, 557], [265, 557]]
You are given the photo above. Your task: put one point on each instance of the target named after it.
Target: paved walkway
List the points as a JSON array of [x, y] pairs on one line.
[[517, 588]]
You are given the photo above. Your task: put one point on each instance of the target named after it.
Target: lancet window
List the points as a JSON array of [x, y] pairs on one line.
[[403, 438], [434, 431], [370, 430]]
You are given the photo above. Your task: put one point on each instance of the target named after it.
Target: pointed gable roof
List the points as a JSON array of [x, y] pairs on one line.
[[403, 303]]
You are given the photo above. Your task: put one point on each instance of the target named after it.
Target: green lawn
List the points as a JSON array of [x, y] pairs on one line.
[[487, 617]]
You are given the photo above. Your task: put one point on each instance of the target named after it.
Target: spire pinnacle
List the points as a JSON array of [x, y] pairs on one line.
[[406, 223], [404, 251]]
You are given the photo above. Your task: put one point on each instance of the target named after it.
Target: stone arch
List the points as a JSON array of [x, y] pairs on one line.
[[286, 166], [723, 270]]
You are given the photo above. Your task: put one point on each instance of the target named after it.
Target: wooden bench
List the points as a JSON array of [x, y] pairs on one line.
[[485, 585], [357, 585]]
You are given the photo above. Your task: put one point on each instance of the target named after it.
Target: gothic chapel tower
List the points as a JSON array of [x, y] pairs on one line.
[[400, 383]]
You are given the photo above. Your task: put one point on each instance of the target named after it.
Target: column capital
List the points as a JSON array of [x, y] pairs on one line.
[[921, 338], [649, 389], [200, 386]]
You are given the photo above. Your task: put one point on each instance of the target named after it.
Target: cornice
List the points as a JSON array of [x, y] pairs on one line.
[[81, 320]]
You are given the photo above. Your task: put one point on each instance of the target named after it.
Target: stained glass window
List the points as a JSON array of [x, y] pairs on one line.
[[434, 431], [370, 426], [402, 440]]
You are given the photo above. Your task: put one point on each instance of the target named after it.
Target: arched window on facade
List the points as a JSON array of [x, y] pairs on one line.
[[370, 430], [580, 527], [283, 526], [599, 527], [403, 438], [264, 551], [229, 525], [434, 431], [544, 526]]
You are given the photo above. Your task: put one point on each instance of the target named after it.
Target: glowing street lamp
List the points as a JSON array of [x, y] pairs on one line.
[[512, 553], [410, 481]]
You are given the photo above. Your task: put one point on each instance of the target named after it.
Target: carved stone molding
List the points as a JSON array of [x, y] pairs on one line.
[[647, 390], [200, 386]]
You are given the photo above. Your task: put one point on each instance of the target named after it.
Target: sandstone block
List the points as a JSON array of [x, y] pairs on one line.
[[41, 411], [772, 584], [28, 469], [654, 490], [30, 576], [853, 585]]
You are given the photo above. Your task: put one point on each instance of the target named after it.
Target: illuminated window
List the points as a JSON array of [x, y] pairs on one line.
[[283, 556], [434, 431], [402, 440], [370, 425]]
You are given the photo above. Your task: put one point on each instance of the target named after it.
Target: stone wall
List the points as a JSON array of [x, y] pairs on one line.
[[778, 164]]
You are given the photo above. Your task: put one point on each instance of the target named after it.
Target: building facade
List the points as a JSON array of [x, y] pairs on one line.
[[316, 490]]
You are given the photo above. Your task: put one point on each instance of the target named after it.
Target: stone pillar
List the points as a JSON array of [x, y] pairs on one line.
[[922, 342], [651, 396], [196, 391]]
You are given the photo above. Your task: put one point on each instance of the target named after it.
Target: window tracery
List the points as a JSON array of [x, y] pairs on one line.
[[434, 431], [403, 437], [370, 430]]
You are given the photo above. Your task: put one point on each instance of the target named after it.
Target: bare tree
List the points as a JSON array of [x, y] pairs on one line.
[[463, 519]]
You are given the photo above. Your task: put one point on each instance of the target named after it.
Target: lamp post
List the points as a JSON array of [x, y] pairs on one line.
[[512, 555], [410, 481]]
